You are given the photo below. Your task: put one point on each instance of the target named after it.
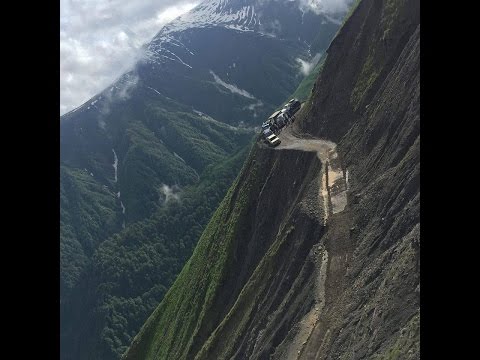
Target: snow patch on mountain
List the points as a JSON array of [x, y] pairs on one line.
[[257, 17], [233, 88], [178, 58], [213, 13], [235, 15], [155, 90], [178, 43]]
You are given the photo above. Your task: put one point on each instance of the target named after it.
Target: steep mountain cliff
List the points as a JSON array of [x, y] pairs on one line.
[[314, 251], [144, 164]]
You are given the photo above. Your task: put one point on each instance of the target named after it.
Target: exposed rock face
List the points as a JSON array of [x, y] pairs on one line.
[[190, 102], [286, 268], [359, 60]]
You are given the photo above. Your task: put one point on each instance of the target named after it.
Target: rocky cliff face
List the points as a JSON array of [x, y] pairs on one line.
[[314, 252], [145, 163]]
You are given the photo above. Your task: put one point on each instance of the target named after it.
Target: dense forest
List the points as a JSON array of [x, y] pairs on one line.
[[131, 213], [131, 270], [145, 163]]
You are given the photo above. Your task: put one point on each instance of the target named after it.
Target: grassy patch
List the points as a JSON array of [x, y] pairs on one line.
[[367, 77], [171, 329], [304, 90], [407, 340]]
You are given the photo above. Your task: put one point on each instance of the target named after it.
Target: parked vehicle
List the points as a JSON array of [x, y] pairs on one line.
[[293, 106], [278, 120], [281, 120], [272, 117], [270, 138]]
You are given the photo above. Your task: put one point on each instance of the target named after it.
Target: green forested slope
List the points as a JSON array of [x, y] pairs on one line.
[[122, 243], [173, 169], [252, 277]]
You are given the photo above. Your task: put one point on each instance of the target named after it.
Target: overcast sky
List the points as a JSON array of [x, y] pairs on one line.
[[100, 39]]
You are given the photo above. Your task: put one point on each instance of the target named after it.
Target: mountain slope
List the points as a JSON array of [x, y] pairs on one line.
[[131, 271], [314, 251], [145, 162], [236, 60]]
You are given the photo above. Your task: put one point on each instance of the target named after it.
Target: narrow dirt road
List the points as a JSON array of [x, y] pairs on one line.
[[333, 188], [332, 198]]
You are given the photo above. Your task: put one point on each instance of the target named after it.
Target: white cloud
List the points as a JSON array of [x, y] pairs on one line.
[[307, 66], [328, 7], [169, 193], [253, 107], [101, 39]]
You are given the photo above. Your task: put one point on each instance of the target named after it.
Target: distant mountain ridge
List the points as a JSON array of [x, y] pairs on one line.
[[179, 122], [314, 253], [231, 39]]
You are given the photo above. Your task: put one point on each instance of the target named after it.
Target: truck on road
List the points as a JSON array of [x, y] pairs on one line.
[[278, 120]]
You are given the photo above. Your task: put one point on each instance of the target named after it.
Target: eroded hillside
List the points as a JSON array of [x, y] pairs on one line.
[[314, 251], [145, 162]]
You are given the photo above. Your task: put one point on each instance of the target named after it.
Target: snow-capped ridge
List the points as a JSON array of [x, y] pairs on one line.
[[213, 13]]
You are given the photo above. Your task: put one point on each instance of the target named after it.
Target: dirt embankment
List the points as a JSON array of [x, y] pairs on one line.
[[332, 196]]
